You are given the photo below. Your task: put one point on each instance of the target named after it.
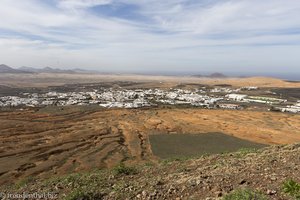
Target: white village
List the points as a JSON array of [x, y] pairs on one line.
[[216, 98]]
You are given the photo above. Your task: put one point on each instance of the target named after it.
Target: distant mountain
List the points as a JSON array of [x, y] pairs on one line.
[[213, 75], [28, 69], [45, 70], [55, 70], [217, 75], [78, 70], [24, 69], [7, 69], [198, 75]]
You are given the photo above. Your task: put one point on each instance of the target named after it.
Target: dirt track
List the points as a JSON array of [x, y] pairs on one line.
[[40, 143]]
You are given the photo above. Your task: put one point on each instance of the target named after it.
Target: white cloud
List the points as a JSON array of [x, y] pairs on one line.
[[80, 4], [175, 33]]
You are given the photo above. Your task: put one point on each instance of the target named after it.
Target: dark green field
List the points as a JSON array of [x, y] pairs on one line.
[[182, 145]]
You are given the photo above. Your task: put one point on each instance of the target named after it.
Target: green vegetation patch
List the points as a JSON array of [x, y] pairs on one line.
[[245, 194], [82, 195], [292, 188], [122, 169], [23, 182]]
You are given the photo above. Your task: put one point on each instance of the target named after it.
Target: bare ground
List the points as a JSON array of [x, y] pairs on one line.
[[44, 143], [48, 79], [207, 177]]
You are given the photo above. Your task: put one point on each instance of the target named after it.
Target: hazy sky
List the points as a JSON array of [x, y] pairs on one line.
[[152, 35]]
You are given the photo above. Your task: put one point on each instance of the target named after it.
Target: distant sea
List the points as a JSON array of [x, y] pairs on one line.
[[290, 77]]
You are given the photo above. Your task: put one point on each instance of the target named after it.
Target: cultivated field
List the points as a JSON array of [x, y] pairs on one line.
[[71, 139], [176, 146]]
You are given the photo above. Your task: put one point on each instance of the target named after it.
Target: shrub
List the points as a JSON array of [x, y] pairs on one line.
[[122, 169], [24, 182], [246, 151], [245, 194], [292, 188], [80, 195]]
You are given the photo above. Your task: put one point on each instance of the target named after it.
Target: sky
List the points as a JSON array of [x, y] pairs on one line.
[[229, 36]]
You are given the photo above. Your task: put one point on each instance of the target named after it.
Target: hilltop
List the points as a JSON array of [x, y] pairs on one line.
[[265, 174]]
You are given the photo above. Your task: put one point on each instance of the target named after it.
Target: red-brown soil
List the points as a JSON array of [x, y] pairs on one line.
[[43, 143]]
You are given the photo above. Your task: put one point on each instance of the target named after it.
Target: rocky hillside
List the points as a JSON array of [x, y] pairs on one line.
[[270, 173]]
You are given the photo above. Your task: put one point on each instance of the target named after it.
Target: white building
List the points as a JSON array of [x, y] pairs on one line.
[[229, 106], [236, 97]]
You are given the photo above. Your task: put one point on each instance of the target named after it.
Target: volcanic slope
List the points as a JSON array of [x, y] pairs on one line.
[[43, 143], [246, 174]]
